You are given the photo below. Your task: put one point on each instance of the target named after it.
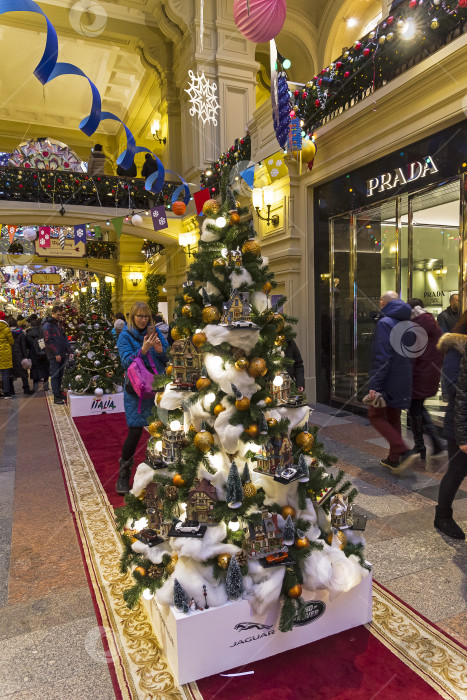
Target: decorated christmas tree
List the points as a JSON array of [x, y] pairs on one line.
[[228, 404], [97, 369], [70, 321]]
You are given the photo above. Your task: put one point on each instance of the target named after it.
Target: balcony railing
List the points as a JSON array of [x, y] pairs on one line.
[[415, 30], [62, 187]]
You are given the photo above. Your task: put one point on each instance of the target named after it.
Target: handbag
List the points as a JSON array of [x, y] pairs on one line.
[[141, 379]]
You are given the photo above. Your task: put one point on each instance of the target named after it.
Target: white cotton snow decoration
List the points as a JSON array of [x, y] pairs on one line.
[[154, 554], [240, 276], [173, 399], [244, 338], [209, 235], [192, 576], [143, 476], [264, 261], [225, 375], [228, 434], [332, 570], [196, 415], [266, 591], [295, 415], [211, 289], [210, 546], [259, 301]]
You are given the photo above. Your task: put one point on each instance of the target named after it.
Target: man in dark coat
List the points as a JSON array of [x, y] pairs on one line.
[[19, 353], [448, 318], [296, 371], [391, 376], [58, 349], [149, 166]]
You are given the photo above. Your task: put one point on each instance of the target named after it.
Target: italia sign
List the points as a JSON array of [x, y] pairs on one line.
[[401, 176]]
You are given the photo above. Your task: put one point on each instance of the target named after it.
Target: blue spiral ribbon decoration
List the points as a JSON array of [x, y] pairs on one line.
[[48, 69]]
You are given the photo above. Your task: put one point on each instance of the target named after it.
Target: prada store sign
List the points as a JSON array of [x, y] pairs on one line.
[[401, 176]]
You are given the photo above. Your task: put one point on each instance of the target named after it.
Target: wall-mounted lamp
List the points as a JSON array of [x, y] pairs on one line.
[[136, 278], [265, 194], [155, 126], [186, 240], [109, 280]]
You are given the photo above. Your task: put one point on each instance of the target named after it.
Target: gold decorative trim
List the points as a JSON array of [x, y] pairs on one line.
[[139, 664], [440, 661]]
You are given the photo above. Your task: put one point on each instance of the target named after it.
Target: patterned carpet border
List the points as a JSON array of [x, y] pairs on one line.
[[139, 664]]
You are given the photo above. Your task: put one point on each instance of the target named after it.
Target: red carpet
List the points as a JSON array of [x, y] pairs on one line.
[[103, 437], [353, 665]]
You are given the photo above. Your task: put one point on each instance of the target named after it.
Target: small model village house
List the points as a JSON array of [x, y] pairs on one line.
[[202, 498], [154, 502], [281, 393], [274, 456], [237, 309], [265, 538], [172, 443], [187, 362]]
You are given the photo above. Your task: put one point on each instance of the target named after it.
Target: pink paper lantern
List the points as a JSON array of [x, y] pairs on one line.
[[265, 20]]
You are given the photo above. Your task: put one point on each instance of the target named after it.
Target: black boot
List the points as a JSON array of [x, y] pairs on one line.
[[417, 432], [448, 526], [439, 447], [124, 473]]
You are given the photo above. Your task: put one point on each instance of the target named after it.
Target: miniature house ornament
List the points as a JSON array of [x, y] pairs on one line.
[[341, 512]]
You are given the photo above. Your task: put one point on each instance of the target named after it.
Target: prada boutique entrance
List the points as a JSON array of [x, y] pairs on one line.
[[409, 243], [397, 223]]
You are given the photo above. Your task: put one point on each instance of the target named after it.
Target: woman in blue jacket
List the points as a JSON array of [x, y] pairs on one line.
[[135, 339]]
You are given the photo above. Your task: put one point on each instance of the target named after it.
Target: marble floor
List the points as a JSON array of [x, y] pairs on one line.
[[50, 638]]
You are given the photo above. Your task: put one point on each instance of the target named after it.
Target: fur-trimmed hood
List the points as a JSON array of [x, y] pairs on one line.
[[453, 341]]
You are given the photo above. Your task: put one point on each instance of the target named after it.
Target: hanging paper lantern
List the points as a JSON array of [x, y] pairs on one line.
[[259, 20], [29, 234], [137, 220], [179, 208]]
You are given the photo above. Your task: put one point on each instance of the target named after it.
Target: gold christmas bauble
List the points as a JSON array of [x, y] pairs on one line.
[[211, 314], [186, 310], [308, 151], [242, 363], [249, 490], [251, 246], [272, 422], [258, 367], [203, 440], [267, 286], [302, 542], [219, 262], [155, 428], [218, 409], [268, 401], [175, 333], [172, 564], [169, 370], [211, 208], [159, 396], [279, 320], [252, 430], [242, 404], [295, 591], [223, 560], [340, 536], [199, 339], [178, 480], [288, 510], [305, 440], [187, 298], [234, 218], [203, 383], [141, 570], [280, 340]]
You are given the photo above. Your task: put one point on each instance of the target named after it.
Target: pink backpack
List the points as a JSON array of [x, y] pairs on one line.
[[141, 378]]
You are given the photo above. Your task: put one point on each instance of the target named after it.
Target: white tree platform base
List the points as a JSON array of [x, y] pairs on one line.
[[203, 643], [91, 405]]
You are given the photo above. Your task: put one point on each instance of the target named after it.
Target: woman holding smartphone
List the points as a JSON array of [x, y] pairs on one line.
[[138, 336]]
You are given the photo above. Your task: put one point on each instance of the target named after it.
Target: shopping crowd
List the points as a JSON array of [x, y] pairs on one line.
[[411, 352]]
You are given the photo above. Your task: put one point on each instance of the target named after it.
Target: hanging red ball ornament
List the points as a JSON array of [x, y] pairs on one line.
[[179, 208], [296, 93], [358, 45], [346, 74], [413, 3], [339, 64], [366, 52], [317, 103]]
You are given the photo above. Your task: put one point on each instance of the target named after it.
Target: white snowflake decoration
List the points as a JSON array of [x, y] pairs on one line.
[[162, 221], [274, 172], [203, 98]]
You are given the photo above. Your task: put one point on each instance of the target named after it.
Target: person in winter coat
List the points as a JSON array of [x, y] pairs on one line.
[[96, 161], [149, 166], [38, 355], [20, 353], [426, 374], [391, 376], [448, 318], [297, 370], [6, 357], [162, 326], [57, 348], [454, 347], [134, 340]]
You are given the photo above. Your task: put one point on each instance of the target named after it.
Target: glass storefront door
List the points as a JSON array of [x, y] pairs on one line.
[[410, 244]]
